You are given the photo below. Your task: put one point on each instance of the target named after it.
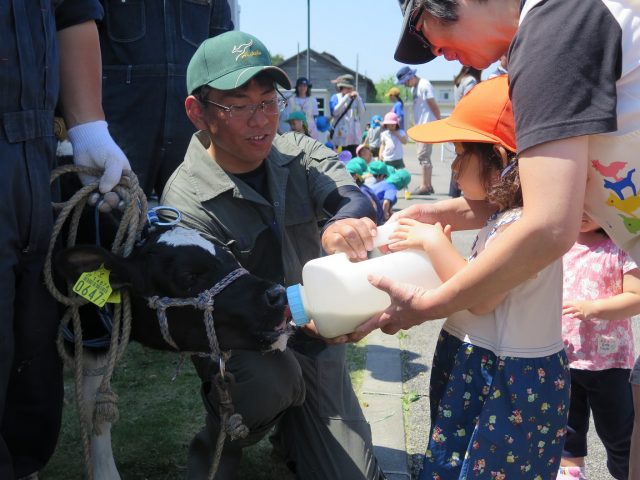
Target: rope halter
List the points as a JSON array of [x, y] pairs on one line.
[[204, 301]]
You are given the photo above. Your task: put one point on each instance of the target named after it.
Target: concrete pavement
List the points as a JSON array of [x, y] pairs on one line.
[[395, 388]]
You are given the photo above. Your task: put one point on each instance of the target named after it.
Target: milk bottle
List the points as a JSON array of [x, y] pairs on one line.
[[337, 295]]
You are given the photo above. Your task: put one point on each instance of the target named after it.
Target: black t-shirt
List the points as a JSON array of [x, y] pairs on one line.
[[265, 260], [563, 65]]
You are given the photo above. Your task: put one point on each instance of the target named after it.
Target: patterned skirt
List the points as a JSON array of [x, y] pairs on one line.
[[497, 418]]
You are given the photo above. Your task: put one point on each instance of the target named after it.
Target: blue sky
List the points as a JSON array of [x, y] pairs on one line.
[[365, 31]]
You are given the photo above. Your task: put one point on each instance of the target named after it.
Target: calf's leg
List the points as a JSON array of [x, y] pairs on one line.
[[102, 461]]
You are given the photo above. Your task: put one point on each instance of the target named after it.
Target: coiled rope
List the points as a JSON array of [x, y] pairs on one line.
[[129, 230]]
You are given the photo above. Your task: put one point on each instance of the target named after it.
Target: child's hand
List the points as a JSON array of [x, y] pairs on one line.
[[580, 309], [413, 234]]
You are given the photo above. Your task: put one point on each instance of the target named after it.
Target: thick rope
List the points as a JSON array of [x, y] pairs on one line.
[[128, 233], [230, 423]]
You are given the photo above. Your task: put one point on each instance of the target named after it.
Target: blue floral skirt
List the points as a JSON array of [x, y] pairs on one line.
[[498, 418]]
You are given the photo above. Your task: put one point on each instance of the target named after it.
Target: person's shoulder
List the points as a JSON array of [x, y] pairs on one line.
[[424, 83]]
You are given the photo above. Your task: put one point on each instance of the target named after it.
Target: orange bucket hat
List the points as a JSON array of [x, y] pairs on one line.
[[483, 115]]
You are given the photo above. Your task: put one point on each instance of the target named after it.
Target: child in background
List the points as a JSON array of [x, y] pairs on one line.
[[357, 167], [345, 156], [387, 189], [322, 126], [398, 105], [499, 386], [298, 122], [303, 101], [391, 140], [378, 171], [601, 293], [365, 132], [363, 151], [373, 135]]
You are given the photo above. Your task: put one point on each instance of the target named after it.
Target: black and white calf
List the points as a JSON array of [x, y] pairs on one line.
[[249, 313]]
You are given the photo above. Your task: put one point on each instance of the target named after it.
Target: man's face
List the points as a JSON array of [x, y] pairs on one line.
[[479, 37], [412, 82], [241, 144]]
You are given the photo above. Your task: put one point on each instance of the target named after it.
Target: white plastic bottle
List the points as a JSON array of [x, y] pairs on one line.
[[337, 295]]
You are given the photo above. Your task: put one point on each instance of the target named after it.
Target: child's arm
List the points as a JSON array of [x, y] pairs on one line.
[[381, 149], [434, 240], [401, 136], [623, 305], [386, 207]]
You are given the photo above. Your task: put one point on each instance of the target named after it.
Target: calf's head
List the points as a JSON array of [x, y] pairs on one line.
[[249, 313]]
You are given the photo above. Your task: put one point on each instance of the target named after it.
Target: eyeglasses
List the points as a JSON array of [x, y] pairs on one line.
[[245, 112], [415, 18]]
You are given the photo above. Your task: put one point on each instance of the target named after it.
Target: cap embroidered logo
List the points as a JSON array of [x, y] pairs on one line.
[[244, 52]]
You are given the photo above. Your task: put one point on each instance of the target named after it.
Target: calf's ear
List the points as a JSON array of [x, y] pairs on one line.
[[74, 261]]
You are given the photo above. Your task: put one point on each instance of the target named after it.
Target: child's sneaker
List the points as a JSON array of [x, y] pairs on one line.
[[571, 473]]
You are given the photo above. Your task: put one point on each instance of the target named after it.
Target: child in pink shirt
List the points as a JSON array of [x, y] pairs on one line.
[[601, 291]]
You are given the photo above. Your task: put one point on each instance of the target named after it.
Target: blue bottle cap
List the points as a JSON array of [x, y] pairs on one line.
[[294, 297]]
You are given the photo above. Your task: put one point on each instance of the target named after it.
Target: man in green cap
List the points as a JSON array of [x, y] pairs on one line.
[[263, 196]]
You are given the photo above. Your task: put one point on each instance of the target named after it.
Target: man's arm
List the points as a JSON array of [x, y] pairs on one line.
[[548, 227], [81, 103], [80, 74], [433, 105]]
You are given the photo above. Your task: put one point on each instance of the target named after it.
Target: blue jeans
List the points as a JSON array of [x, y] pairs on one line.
[[146, 47]]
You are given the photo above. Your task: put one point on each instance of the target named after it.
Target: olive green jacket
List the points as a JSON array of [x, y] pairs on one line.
[[301, 173]]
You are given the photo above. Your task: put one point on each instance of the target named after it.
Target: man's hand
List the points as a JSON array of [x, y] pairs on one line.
[[353, 236], [94, 147]]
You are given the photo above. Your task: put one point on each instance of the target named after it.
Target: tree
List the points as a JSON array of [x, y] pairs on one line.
[[383, 87], [276, 59]]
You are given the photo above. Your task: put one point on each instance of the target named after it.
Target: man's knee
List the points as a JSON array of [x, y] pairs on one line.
[[263, 387], [424, 155]]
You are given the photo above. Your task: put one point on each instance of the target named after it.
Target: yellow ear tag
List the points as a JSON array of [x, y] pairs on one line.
[[94, 286], [115, 297]]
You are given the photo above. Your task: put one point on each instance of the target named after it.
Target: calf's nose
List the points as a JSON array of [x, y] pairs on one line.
[[276, 296]]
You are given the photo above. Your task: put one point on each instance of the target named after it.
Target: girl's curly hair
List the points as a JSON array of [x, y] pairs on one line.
[[506, 193]]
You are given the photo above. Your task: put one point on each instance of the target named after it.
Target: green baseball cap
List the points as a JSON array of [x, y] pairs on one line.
[[354, 166], [378, 167], [230, 60], [400, 178]]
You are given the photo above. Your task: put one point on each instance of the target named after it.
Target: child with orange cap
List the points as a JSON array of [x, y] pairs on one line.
[[499, 385]]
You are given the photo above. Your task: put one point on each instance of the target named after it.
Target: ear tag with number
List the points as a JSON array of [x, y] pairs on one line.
[[94, 286]]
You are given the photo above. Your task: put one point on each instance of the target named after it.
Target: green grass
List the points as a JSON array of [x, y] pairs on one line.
[[158, 418], [356, 359]]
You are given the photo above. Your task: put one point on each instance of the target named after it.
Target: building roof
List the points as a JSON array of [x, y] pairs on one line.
[[325, 67]]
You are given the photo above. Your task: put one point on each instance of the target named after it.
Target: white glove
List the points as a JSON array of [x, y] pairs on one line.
[[94, 147]]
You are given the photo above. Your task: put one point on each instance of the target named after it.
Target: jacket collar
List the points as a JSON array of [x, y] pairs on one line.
[[210, 180]]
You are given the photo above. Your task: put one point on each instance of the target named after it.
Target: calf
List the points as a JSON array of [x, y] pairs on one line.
[[249, 313]]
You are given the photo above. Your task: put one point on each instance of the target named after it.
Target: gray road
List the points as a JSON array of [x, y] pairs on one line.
[[417, 344]]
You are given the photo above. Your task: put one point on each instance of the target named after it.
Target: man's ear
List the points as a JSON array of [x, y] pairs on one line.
[[195, 112]]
